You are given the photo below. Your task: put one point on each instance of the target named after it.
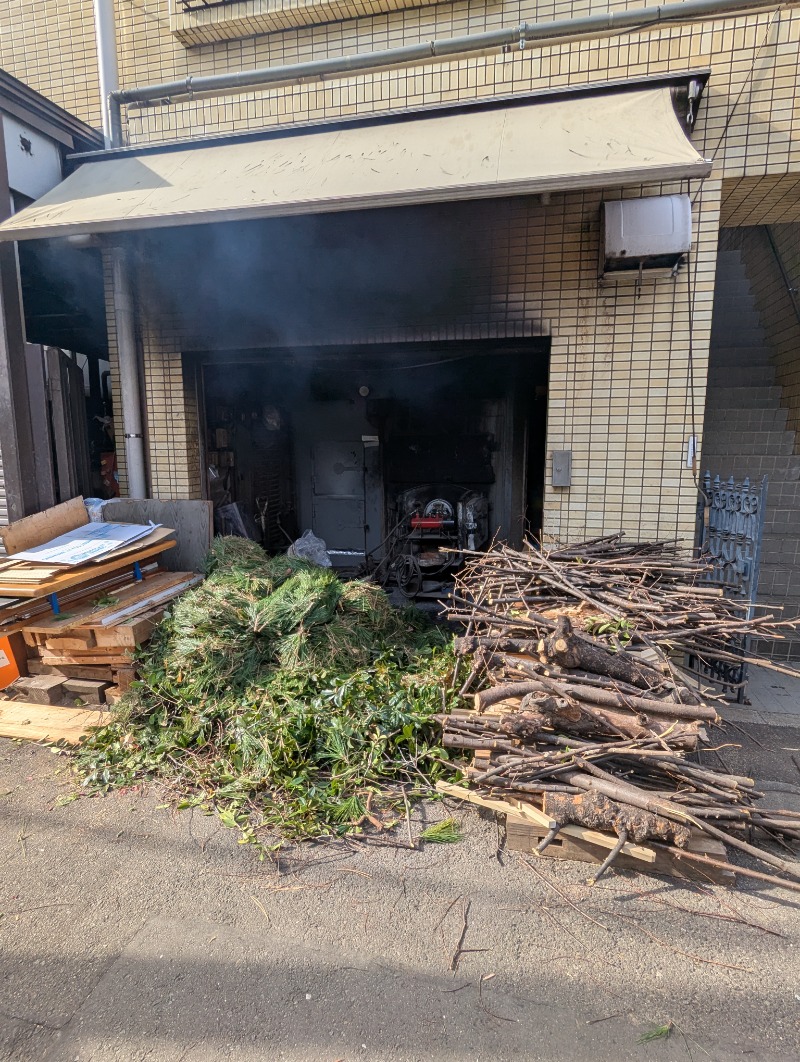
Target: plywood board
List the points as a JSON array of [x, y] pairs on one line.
[[43, 722], [41, 527], [193, 522]]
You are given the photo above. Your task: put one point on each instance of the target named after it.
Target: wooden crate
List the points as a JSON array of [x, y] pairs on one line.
[[523, 836]]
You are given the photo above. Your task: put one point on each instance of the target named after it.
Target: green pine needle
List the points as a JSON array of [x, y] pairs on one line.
[[445, 832], [662, 1032]]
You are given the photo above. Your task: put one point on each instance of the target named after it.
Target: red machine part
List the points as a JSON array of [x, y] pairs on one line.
[[430, 523]]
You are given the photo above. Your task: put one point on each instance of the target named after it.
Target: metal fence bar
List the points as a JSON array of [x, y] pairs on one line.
[[730, 528]]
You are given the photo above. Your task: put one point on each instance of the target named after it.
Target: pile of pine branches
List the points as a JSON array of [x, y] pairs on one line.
[[284, 698]]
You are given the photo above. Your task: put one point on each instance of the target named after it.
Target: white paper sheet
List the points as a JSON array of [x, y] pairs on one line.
[[86, 543]]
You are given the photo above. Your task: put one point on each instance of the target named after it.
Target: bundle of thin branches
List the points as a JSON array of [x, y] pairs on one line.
[[639, 595], [643, 789], [582, 697]]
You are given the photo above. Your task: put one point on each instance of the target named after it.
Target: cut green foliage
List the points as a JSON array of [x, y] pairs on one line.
[[445, 832], [662, 1032], [104, 601], [621, 629], [283, 697]]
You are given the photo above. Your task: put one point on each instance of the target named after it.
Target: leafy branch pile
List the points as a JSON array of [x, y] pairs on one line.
[[282, 697]]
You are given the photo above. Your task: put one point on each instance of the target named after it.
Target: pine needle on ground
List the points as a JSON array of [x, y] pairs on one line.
[[663, 1032], [445, 832]]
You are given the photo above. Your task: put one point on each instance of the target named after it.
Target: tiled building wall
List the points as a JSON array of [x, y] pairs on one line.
[[628, 367], [50, 45], [749, 122], [627, 387]]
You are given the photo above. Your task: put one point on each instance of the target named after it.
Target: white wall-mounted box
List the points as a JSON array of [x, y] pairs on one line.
[[650, 233]]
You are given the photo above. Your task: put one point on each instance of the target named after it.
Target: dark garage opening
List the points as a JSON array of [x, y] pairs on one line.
[[385, 452]]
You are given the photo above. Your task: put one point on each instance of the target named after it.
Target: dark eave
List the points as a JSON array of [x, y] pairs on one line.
[[40, 113]]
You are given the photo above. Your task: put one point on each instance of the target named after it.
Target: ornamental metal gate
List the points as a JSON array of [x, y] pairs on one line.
[[730, 526]]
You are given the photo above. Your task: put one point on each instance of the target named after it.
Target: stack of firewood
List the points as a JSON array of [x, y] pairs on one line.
[[583, 705]]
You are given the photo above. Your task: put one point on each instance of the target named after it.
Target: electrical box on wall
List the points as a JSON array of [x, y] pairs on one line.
[[642, 234]]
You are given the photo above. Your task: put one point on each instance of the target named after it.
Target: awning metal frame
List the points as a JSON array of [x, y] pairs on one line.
[[630, 135]]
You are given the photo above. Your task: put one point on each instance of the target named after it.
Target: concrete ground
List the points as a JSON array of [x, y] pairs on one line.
[[129, 932]]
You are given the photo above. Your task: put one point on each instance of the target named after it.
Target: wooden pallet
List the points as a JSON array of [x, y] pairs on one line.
[[524, 836], [527, 825]]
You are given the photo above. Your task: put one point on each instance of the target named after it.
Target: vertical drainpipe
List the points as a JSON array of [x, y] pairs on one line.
[[121, 286]]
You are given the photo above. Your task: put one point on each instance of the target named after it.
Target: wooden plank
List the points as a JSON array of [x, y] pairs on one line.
[[86, 574], [124, 677], [526, 812], [57, 387], [101, 659], [42, 722], [79, 671], [80, 426], [41, 527], [81, 640], [131, 633], [19, 614], [135, 595], [529, 815], [193, 522], [524, 837], [40, 426]]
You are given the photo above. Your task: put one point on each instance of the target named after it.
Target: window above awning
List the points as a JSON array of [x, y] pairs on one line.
[[607, 139]]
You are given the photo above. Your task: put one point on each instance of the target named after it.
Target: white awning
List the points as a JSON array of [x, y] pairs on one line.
[[587, 141]]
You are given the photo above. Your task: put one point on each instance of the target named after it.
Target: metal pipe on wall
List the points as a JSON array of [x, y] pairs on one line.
[[122, 289], [107, 69], [129, 384], [539, 33]]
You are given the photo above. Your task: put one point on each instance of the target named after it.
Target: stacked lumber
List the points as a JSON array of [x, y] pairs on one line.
[[96, 640], [80, 614], [584, 715]]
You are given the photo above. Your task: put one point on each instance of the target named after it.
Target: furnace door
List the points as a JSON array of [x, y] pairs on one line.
[[338, 496]]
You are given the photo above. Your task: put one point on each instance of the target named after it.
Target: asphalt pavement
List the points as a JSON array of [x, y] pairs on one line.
[[133, 933]]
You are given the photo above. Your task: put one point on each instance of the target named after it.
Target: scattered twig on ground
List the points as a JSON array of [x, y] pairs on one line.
[[458, 948]]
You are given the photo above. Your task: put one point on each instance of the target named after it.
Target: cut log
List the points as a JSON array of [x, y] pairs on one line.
[[570, 650], [599, 813], [598, 697]]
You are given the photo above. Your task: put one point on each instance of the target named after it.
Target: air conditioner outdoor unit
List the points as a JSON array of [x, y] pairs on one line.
[[650, 233]]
